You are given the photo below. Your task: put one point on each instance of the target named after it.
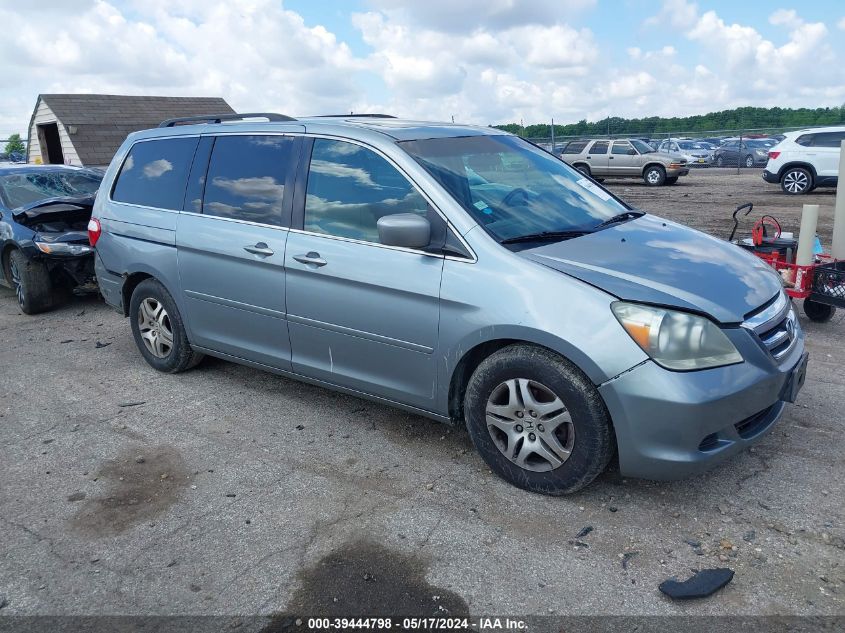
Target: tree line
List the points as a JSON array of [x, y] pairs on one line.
[[746, 118]]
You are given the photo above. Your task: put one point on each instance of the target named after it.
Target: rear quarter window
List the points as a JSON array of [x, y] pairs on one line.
[[575, 147], [155, 173]]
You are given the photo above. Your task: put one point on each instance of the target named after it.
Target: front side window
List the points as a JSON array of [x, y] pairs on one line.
[[622, 147], [351, 187], [155, 173], [246, 178], [829, 139], [512, 189]]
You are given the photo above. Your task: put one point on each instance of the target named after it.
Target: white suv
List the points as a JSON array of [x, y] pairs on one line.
[[805, 159]]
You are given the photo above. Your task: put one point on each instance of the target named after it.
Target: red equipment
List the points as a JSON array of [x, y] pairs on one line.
[[821, 285]]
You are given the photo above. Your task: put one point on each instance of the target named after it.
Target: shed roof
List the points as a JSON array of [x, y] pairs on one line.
[[104, 121]]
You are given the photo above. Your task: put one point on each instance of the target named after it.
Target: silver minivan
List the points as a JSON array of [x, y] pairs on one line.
[[457, 272]]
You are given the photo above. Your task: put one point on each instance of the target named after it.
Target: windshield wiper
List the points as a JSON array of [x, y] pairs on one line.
[[545, 235], [620, 217]]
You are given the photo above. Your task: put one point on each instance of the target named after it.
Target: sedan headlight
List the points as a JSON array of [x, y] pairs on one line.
[[676, 340], [63, 248]]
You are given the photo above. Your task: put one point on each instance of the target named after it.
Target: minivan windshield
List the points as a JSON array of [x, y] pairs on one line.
[[513, 189]]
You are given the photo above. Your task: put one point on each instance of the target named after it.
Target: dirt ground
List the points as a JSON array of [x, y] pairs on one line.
[[225, 491], [706, 198]]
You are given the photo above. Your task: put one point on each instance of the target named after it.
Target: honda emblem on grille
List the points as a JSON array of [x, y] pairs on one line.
[[790, 327]]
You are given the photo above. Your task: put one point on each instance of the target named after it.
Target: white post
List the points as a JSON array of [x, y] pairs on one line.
[[807, 236], [837, 248]]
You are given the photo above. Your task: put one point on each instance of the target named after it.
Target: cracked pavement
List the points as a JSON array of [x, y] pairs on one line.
[[205, 497]]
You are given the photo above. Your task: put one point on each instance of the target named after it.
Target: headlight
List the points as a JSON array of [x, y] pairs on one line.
[[761, 152], [63, 248], [676, 340]]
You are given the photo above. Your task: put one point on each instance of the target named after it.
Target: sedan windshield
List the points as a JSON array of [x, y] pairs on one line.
[[514, 190], [19, 189]]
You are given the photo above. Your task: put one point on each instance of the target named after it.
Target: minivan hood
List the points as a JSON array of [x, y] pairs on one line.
[[651, 260]]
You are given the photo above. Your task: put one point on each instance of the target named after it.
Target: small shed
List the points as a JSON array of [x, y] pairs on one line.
[[86, 129]]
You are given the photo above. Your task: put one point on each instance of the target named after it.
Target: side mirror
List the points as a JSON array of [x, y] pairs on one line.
[[408, 230], [632, 152]]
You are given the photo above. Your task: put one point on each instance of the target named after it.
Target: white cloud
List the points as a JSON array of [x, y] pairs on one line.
[[841, 23]]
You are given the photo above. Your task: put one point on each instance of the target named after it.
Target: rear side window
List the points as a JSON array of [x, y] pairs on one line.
[[350, 187], [155, 173], [828, 139], [805, 139], [599, 147], [575, 147], [246, 178]]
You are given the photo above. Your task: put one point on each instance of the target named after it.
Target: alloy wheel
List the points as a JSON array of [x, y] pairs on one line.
[[653, 176], [154, 326], [530, 425], [795, 181], [16, 280]]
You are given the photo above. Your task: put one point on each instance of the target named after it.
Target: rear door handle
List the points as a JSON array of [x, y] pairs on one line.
[[311, 258], [260, 249]]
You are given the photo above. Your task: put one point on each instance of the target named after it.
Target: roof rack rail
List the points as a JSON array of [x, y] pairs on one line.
[[219, 118], [365, 115]]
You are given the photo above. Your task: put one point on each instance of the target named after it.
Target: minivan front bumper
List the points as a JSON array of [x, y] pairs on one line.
[[671, 425]]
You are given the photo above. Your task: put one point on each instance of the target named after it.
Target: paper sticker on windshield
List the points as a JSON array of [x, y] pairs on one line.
[[482, 206], [593, 188]]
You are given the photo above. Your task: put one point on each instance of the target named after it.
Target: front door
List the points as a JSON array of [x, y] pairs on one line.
[[361, 315], [231, 246], [624, 159]]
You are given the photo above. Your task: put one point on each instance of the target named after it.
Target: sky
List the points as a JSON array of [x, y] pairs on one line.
[[479, 61]]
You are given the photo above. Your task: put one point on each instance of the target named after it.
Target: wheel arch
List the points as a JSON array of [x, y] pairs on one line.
[[652, 163], [581, 163], [129, 284], [5, 252], [797, 163], [468, 359]]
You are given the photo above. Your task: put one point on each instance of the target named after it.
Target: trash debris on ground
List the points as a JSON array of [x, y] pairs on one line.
[[704, 583], [584, 531]]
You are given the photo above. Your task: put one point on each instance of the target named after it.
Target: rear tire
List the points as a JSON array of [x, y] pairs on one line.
[[654, 176], [584, 169], [818, 312], [158, 329], [749, 161], [31, 283], [537, 420], [796, 181]]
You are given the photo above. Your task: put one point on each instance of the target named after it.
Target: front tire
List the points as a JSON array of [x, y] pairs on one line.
[[818, 312], [31, 283], [537, 420], [158, 329], [796, 181], [654, 176]]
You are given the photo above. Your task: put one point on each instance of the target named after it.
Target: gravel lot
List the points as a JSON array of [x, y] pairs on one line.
[[225, 490]]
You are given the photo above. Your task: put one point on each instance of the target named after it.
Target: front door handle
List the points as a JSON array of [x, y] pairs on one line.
[[260, 249], [311, 258]]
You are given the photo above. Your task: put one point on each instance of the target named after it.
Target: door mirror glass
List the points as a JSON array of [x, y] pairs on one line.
[[408, 230]]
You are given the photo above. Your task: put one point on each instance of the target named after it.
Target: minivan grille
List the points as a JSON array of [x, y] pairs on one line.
[[776, 326]]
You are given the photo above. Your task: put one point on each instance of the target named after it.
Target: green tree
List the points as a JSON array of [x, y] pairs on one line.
[[15, 145]]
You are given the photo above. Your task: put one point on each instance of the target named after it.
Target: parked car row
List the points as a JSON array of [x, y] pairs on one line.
[[457, 272], [624, 158]]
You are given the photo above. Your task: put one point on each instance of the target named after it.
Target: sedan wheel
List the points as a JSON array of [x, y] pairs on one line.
[[154, 325], [720, 162], [16, 281], [749, 161], [530, 425]]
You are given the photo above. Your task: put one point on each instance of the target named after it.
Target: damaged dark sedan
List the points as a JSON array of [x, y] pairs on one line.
[[44, 214]]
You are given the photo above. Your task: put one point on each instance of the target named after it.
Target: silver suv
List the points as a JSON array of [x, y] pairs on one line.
[[632, 158], [457, 272]]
